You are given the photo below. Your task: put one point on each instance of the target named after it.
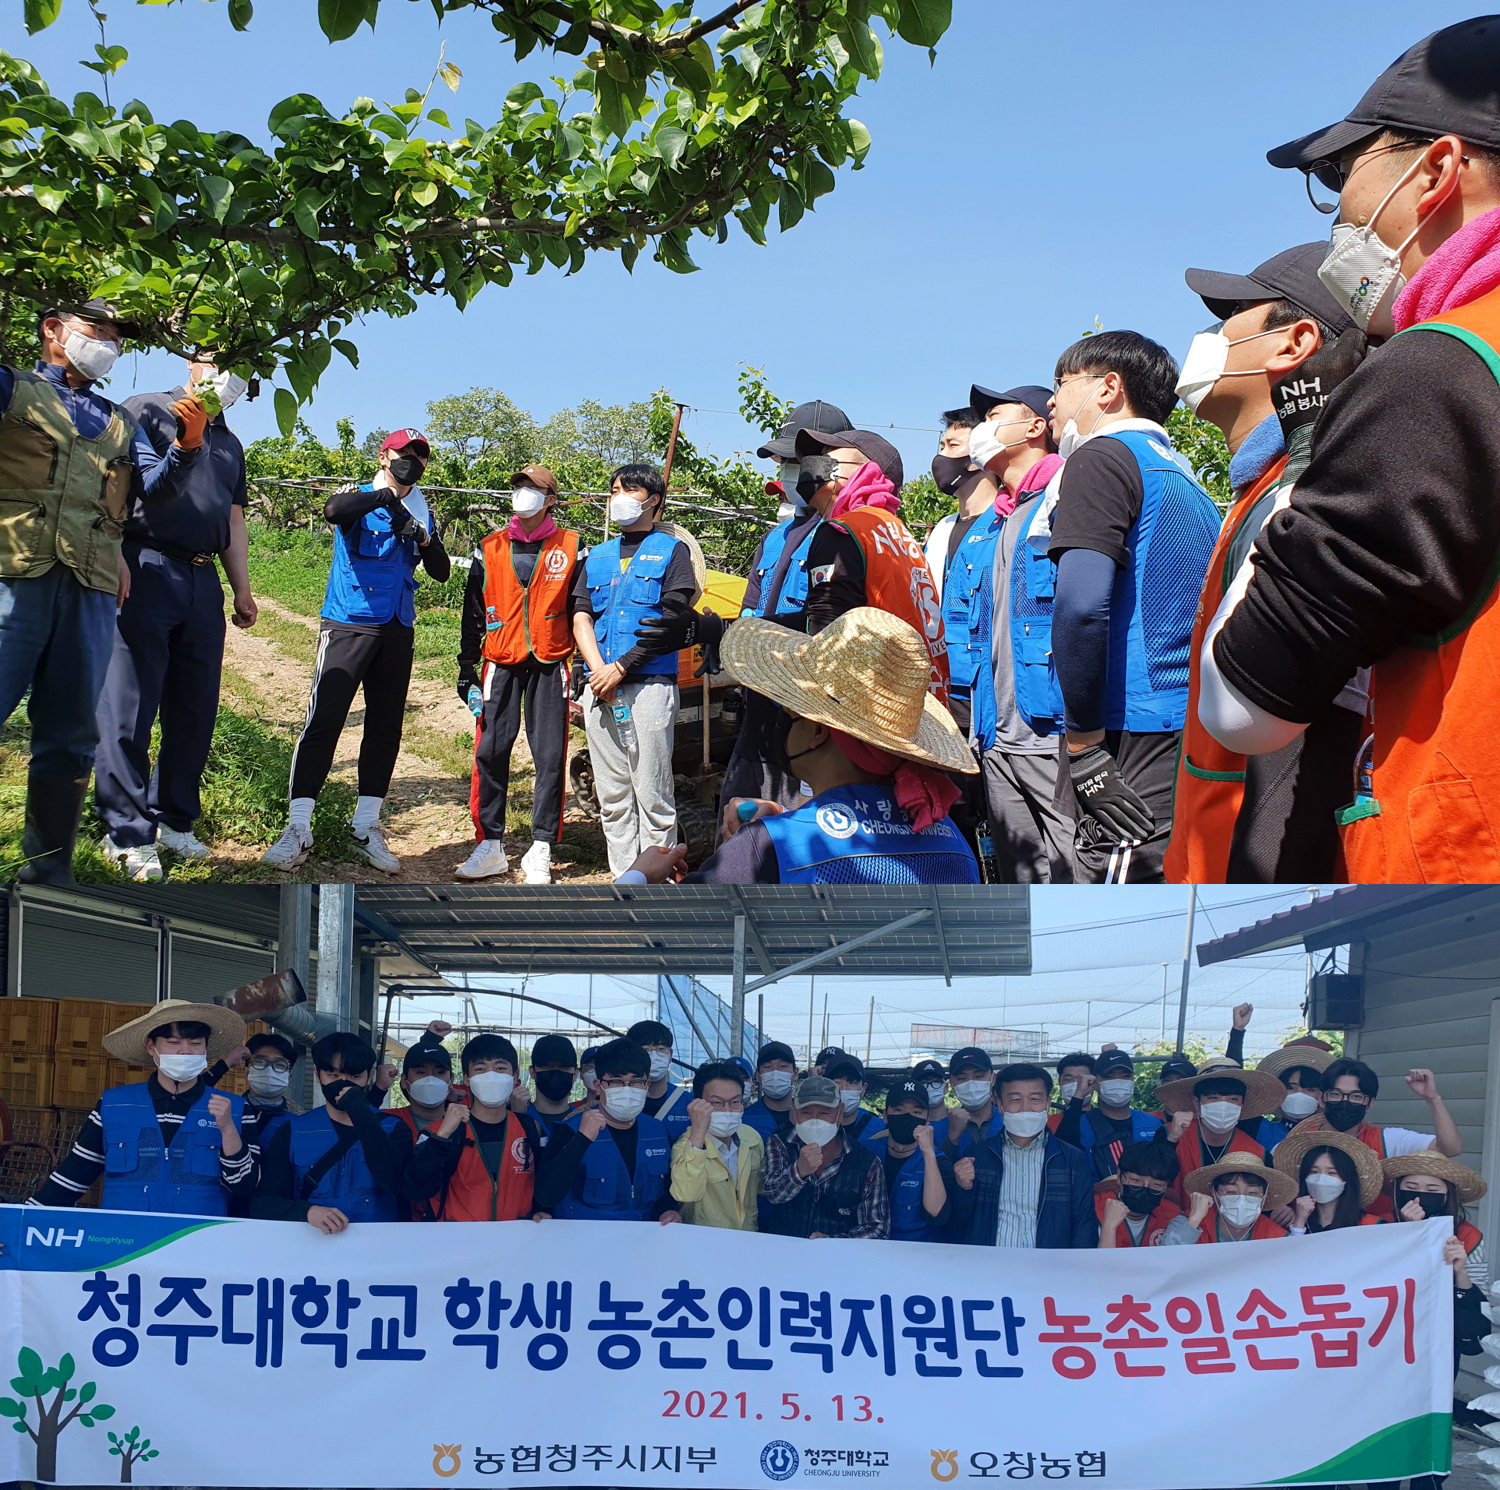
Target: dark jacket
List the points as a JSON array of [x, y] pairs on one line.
[[1065, 1212]]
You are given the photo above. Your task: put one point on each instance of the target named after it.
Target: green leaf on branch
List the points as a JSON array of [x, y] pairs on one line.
[[99, 1411], [41, 13], [240, 12], [340, 19], [923, 22], [216, 194], [671, 142], [286, 412]]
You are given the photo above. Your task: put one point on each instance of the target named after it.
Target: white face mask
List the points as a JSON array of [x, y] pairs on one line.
[[1324, 1187], [586, 1076], [1117, 1093], [624, 1102], [817, 1130], [725, 1124], [1204, 364], [268, 1082], [935, 1094], [181, 1067], [91, 357], [776, 1084], [972, 1094], [1068, 1090], [492, 1088], [1240, 1210], [850, 1100], [527, 501], [785, 512], [429, 1091], [625, 510], [1298, 1105], [1220, 1117], [661, 1063], [1024, 1124], [1071, 437], [985, 442]]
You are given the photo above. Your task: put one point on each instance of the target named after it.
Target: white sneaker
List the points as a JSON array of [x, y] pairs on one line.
[[290, 850], [536, 864], [184, 845], [488, 859], [140, 863], [372, 848]]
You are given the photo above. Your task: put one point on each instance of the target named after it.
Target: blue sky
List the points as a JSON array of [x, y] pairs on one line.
[[1058, 163]]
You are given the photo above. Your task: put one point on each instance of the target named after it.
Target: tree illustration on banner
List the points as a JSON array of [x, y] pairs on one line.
[[35, 1380], [131, 1449]]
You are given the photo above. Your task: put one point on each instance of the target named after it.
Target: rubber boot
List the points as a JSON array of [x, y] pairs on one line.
[[54, 805]]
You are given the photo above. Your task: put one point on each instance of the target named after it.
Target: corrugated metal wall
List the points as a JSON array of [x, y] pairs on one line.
[[65, 956], [201, 970]]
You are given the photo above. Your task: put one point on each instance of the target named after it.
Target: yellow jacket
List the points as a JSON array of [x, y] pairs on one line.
[[701, 1182]]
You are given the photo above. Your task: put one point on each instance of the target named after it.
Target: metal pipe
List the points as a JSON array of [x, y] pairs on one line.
[[869, 1029], [1187, 967], [737, 998]]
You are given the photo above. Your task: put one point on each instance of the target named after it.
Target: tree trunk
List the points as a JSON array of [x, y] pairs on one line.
[[46, 1451], [125, 1462]]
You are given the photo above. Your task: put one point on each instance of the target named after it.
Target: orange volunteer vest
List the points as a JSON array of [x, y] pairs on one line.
[[531, 620], [898, 580], [1433, 813], [1190, 1156], [1264, 1230], [473, 1196], [1156, 1223], [1210, 781], [421, 1210]]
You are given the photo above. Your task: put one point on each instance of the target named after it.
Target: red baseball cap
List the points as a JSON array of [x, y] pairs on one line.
[[399, 439]]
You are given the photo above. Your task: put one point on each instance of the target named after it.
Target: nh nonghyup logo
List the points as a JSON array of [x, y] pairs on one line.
[[779, 1460], [837, 823]]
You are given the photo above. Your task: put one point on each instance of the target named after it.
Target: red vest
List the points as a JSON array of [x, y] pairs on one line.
[[1190, 1156], [529, 621], [1265, 1229], [1156, 1223], [473, 1196]]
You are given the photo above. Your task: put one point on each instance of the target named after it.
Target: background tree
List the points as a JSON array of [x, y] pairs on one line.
[[1203, 444], [132, 1448], [34, 1381]]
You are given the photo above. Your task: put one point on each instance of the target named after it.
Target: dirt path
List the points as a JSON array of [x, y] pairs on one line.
[[427, 812]]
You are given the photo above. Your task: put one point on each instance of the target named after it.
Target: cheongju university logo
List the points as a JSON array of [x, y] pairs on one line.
[[837, 823], [779, 1460]]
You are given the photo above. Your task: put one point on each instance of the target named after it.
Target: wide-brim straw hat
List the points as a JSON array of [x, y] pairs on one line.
[[1289, 1057], [1263, 1093], [1295, 1147], [865, 674], [1470, 1183], [128, 1043], [1279, 1189], [700, 566]]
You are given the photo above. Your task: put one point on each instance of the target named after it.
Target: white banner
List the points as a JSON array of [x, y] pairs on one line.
[[584, 1353]]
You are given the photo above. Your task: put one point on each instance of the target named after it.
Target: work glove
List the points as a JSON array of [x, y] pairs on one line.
[[1102, 794], [1299, 398], [192, 420], [470, 693], [663, 634], [404, 525], [475, 700]]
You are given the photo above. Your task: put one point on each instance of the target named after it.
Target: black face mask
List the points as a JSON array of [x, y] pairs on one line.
[[336, 1093], [816, 472], [406, 470], [554, 1085], [1432, 1205], [1139, 1201], [777, 752], [903, 1126], [1344, 1116], [951, 472]]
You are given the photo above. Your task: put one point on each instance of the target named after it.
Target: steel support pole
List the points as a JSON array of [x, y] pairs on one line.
[[335, 958], [737, 998], [1187, 968]]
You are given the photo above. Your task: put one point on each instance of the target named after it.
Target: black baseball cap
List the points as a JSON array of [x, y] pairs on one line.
[[1035, 397], [845, 1067], [970, 1055], [815, 415], [908, 1090], [928, 1070], [870, 445], [829, 1053], [1291, 275], [554, 1048], [1448, 83], [419, 1054], [1114, 1060], [1175, 1068]]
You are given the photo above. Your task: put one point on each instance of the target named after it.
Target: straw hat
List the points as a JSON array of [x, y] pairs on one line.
[[1279, 1189], [128, 1043], [866, 674], [700, 567], [1291, 1056], [1295, 1147], [1263, 1093], [1470, 1183]]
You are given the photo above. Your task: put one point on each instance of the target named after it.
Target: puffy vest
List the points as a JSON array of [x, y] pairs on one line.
[[622, 599], [909, 1222], [858, 835], [603, 1191], [1156, 1223], [531, 620], [898, 580], [1151, 607], [1210, 783], [142, 1174], [1432, 813], [966, 603], [349, 1185], [374, 574], [63, 498], [833, 1207], [471, 1195], [793, 595]]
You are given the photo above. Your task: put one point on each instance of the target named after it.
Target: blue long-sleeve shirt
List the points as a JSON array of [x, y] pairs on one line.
[[1080, 635]]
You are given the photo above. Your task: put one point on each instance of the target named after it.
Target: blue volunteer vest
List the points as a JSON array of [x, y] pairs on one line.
[[270, 1118], [142, 1174], [1151, 608], [909, 1222], [622, 599], [1271, 1132], [603, 1191], [348, 1186], [858, 835], [794, 586], [1142, 1126], [967, 565], [374, 573]]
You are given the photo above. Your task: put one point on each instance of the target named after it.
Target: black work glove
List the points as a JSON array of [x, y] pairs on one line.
[[404, 525], [1300, 396], [345, 1096], [692, 628], [1102, 794]]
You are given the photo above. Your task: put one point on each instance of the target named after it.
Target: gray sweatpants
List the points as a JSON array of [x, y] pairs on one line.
[[636, 797], [1033, 840]]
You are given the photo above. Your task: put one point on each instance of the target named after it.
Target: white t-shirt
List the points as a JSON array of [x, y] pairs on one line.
[[729, 1152], [1402, 1141]]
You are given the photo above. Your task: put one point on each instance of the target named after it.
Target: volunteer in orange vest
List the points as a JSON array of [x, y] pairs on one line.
[[1136, 1206], [1261, 374], [1387, 553], [492, 1144], [516, 635], [1206, 1112], [1338, 1179], [1228, 1202], [863, 553], [1349, 1091]]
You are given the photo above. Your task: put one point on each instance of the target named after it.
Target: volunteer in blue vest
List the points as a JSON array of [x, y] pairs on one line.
[[169, 636], [1032, 834], [859, 1124], [862, 730], [1130, 530], [343, 1162], [666, 1100], [384, 533], [72, 462], [971, 1076], [170, 1143], [515, 637], [617, 1163], [554, 1073], [775, 1074], [630, 706], [918, 1179], [1104, 1130]]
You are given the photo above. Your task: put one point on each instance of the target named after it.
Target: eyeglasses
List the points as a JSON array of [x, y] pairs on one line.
[[726, 1104], [1358, 1098], [1334, 174], [1058, 384], [614, 1083], [260, 1063]]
